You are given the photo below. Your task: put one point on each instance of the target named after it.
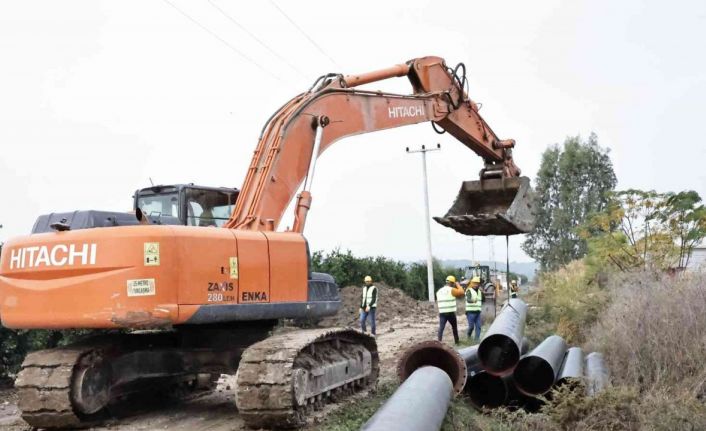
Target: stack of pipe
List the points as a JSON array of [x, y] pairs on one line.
[[501, 372], [496, 372], [491, 363]]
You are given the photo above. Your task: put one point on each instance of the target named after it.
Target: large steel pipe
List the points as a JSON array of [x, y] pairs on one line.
[[572, 369], [596, 373], [470, 357], [487, 390], [499, 351], [419, 404], [435, 354], [536, 373], [484, 389], [431, 374]]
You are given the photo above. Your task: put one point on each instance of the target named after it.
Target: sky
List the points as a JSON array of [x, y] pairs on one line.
[[97, 97]]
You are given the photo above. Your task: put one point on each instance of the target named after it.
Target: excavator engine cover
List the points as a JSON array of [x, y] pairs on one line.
[[492, 207]]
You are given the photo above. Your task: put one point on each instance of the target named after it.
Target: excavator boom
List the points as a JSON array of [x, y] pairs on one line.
[[334, 108]]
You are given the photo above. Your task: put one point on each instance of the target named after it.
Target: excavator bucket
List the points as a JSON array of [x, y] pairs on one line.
[[492, 207]]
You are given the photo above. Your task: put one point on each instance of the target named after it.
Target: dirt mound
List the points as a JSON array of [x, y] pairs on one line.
[[393, 306]]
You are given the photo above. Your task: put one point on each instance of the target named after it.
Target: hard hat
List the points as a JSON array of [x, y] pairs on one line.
[[513, 282], [476, 264], [475, 280], [368, 279], [451, 279]]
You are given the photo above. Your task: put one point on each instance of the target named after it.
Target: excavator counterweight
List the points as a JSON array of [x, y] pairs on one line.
[[494, 206]]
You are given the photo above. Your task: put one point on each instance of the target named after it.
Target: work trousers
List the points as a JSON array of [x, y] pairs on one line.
[[364, 316], [451, 318], [474, 320]]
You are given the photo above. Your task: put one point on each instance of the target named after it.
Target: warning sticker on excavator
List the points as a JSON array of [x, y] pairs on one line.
[[234, 267], [141, 287], [151, 254]]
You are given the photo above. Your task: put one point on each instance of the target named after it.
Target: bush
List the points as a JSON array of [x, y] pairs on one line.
[[616, 408], [567, 302], [653, 333], [348, 270]]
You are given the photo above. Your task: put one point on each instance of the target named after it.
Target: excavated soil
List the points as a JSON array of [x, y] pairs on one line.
[[402, 321], [394, 306]]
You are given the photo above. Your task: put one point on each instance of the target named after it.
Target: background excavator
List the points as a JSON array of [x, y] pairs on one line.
[[198, 277]]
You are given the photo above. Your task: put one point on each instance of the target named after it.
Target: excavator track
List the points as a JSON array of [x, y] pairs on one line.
[[284, 377], [44, 386], [78, 385]]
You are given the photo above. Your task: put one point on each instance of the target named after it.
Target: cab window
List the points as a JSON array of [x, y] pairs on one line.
[[157, 205], [208, 207]]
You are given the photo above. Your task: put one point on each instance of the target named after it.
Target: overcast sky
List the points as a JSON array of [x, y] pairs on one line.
[[97, 97]]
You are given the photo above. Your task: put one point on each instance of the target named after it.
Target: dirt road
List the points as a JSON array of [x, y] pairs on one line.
[[216, 411]]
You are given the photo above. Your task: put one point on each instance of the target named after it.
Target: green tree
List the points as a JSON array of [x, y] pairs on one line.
[[572, 183], [686, 219], [630, 232], [348, 270]]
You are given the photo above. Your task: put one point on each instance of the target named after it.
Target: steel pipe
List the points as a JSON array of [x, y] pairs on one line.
[[499, 350], [472, 360], [484, 389], [431, 374], [536, 373], [435, 354], [597, 377], [419, 404], [487, 390], [470, 357], [572, 369]]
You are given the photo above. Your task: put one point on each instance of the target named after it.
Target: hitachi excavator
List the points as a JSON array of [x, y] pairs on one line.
[[198, 277]]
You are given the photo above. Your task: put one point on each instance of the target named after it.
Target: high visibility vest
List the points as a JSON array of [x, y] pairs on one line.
[[368, 296], [473, 300], [445, 300]]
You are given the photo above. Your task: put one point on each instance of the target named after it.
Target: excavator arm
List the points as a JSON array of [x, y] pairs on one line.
[[334, 108]]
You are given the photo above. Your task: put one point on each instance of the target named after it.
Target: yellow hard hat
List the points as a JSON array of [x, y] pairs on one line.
[[451, 278], [368, 279], [475, 280]]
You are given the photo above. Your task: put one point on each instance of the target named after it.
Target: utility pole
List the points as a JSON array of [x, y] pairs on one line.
[[430, 269], [473, 250]]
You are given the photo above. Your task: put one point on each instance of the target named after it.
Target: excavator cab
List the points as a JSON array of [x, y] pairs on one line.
[[495, 206], [186, 204]]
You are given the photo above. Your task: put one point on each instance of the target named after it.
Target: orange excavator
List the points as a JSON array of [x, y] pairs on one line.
[[195, 281]]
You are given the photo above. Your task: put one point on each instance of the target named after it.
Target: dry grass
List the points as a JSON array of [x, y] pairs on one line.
[[653, 333]]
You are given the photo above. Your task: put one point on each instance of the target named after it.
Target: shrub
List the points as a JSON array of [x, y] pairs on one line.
[[348, 270], [567, 303], [653, 333]]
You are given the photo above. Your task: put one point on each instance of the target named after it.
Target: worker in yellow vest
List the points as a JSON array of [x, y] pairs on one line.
[[368, 304], [473, 307], [446, 301], [514, 289]]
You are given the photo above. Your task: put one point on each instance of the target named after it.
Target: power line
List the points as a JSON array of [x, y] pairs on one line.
[[263, 44], [305, 35], [223, 41]]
